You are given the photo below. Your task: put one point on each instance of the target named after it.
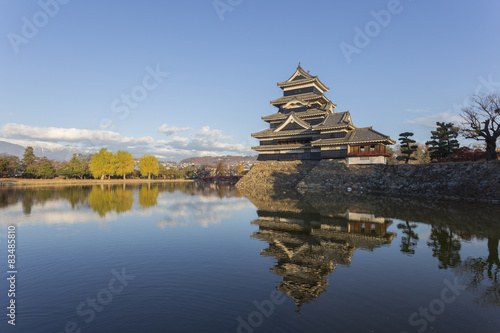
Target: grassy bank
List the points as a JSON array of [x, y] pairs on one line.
[[11, 182]]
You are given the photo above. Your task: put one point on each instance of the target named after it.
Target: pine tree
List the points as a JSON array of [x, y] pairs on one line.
[[444, 142], [407, 147], [29, 161], [4, 166]]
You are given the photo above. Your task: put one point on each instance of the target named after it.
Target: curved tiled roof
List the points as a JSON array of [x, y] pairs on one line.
[[302, 77], [301, 114], [292, 117], [336, 120], [282, 147], [304, 97], [271, 133], [358, 135]]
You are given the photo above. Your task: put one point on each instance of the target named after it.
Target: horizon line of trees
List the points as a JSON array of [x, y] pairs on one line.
[[101, 165]]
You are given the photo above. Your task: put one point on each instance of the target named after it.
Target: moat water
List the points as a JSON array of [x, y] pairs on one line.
[[208, 258]]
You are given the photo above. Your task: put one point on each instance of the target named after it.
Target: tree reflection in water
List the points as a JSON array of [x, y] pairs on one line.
[[148, 196], [445, 246], [410, 239], [32, 197], [482, 275], [107, 199]]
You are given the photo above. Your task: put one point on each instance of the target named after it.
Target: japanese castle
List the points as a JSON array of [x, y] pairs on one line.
[[306, 127]]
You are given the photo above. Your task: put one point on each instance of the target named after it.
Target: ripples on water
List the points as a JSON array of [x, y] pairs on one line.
[[205, 258]]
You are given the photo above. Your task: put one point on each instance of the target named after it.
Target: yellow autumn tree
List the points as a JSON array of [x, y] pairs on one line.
[[240, 168], [148, 165], [102, 164], [124, 163]]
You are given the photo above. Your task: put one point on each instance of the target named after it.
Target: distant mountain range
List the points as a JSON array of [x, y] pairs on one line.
[[57, 153]]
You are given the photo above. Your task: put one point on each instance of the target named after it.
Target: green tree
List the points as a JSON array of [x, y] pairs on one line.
[[65, 171], [482, 121], [4, 166], [102, 164], [162, 171], [407, 147], [148, 165], [77, 166], [444, 142], [220, 169], [14, 164], [188, 172], [29, 162], [29, 157], [124, 163], [45, 169]]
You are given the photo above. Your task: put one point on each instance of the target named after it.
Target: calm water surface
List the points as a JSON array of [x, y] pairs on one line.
[[206, 258]]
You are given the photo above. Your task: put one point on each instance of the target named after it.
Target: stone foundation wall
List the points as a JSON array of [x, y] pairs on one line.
[[471, 181], [275, 176]]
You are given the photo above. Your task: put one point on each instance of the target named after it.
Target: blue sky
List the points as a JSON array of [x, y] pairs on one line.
[[192, 78]]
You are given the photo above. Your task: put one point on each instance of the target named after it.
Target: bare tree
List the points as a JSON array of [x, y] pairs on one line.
[[482, 121]]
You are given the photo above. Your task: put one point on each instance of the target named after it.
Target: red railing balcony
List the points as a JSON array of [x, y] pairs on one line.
[[368, 153]]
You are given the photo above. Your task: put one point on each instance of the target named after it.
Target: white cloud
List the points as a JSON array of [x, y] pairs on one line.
[[214, 134], [430, 121], [172, 130], [58, 134], [205, 142], [202, 210]]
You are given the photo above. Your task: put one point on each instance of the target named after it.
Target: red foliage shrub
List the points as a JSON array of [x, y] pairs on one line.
[[466, 154]]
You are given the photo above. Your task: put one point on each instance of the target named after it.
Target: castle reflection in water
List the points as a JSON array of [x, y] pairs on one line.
[[309, 246]]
